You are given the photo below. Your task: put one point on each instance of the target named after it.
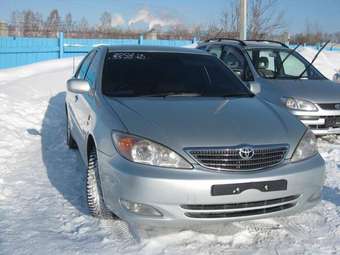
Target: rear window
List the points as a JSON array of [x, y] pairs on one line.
[[148, 73]]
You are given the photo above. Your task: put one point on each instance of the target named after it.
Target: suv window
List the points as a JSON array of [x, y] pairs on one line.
[[131, 74], [236, 61], [215, 50], [268, 64], [81, 73]]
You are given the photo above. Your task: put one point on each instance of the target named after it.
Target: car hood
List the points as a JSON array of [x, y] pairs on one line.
[[202, 122], [317, 91]]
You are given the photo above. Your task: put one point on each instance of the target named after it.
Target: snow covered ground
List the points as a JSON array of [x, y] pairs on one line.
[[42, 203]]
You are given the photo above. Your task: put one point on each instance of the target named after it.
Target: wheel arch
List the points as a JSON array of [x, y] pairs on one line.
[[90, 144]]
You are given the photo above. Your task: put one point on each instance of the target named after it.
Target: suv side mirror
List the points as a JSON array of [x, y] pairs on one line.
[[255, 87], [78, 86]]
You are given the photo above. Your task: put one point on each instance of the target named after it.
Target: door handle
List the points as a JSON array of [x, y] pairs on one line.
[[75, 98]]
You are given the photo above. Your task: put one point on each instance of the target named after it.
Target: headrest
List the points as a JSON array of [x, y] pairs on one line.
[[263, 63]]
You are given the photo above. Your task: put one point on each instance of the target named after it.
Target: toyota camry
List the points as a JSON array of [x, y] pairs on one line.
[[170, 135]]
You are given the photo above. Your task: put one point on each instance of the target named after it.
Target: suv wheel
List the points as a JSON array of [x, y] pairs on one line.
[[94, 193]]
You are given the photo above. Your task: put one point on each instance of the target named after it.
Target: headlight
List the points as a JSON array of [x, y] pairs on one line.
[[306, 148], [298, 104], [143, 151]]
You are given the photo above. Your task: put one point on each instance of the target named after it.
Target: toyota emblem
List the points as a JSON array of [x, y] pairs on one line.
[[246, 153], [337, 106]]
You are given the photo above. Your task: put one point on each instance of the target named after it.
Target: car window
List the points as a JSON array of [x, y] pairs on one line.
[[84, 66], [215, 50], [92, 71], [202, 47], [150, 73], [236, 61], [277, 64]]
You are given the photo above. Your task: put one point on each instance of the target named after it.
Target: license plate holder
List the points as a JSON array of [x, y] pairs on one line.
[[237, 188]]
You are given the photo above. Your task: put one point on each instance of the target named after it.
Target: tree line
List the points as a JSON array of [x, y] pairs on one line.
[[265, 21]]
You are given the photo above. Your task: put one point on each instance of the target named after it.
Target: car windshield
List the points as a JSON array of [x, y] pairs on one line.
[[131, 74], [281, 64]]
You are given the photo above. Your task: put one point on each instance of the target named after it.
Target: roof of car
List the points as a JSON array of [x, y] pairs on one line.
[[145, 48], [247, 44]]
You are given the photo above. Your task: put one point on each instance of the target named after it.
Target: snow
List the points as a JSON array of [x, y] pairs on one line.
[[42, 202], [328, 62]]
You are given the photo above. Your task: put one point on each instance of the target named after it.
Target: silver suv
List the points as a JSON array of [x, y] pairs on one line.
[[286, 79], [170, 135]]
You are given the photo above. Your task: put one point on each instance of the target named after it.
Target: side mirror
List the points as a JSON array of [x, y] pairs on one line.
[[78, 86], [255, 87]]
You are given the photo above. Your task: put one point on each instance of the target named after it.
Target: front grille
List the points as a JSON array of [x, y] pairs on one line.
[[240, 213], [229, 158], [240, 205], [334, 106]]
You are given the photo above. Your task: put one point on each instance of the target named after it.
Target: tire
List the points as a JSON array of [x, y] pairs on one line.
[[94, 193], [71, 143]]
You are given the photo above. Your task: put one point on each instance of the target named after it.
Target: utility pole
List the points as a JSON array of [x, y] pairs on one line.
[[243, 20]]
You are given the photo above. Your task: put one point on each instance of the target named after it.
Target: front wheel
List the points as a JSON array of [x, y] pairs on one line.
[[94, 193]]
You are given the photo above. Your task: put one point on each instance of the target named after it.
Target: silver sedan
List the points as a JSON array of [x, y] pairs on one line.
[[172, 136]]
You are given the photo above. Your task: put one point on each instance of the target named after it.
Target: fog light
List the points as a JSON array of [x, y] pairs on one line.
[[140, 209]]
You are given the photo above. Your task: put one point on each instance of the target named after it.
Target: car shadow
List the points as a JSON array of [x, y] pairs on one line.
[[331, 195], [65, 170]]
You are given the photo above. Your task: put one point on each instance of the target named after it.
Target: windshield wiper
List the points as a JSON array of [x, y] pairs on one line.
[[284, 60], [311, 63]]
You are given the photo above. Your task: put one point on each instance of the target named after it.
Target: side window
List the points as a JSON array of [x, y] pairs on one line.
[[204, 47], [215, 50], [92, 70], [236, 61], [84, 66]]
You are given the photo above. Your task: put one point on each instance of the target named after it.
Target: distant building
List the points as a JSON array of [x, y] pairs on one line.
[[151, 34], [3, 28]]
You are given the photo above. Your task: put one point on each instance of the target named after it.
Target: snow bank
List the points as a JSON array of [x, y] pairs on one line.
[[43, 206], [11, 74]]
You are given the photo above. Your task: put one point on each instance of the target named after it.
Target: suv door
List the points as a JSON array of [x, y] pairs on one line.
[[237, 62]]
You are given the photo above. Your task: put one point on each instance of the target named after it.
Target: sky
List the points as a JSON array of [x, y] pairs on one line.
[[325, 13]]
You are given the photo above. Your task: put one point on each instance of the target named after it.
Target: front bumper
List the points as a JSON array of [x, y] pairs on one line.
[[169, 191], [319, 122]]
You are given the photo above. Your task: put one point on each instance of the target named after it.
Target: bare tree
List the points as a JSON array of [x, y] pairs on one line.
[[264, 19], [230, 18], [53, 21], [17, 23], [105, 22], [68, 23], [83, 25]]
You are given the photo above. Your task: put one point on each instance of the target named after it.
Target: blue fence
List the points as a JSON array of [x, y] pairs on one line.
[[16, 51]]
